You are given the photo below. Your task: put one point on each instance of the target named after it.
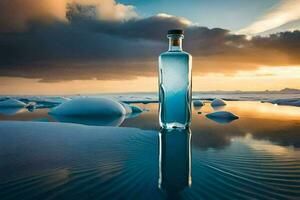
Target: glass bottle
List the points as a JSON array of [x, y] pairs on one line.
[[175, 84]]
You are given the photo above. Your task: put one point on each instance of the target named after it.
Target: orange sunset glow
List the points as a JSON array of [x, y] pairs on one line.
[[265, 78]]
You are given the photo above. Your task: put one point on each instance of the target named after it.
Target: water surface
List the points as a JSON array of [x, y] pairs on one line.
[[254, 157]]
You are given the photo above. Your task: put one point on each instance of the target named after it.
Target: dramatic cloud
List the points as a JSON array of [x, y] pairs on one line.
[[287, 11], [82, 45], [15, 15], [107, 9]]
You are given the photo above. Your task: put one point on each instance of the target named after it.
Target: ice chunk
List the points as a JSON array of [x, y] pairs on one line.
[[198, 103], [218, 102], [295, 103], [57, 99], [89, 106], [222, 117], [288, 102], [12, 103], [136, 109], [44, 101], [90, 111]]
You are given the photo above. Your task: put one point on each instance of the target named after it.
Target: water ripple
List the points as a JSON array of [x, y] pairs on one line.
[[126, 166]]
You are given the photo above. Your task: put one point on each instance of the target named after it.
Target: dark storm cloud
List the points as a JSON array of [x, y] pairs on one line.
[[86, 48]]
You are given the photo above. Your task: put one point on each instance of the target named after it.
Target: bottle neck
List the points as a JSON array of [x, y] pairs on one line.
[[175, 43]]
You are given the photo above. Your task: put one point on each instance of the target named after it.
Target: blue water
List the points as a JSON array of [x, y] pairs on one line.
[[175, 89], [254, 157]]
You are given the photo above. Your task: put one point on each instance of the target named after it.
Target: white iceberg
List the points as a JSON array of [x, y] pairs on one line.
[[12, 103], [90, 111], [222, 117], [89, 106], [198, 103], [218, 102]]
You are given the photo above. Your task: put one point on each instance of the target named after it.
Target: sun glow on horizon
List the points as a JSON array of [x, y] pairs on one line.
[[263, 78]]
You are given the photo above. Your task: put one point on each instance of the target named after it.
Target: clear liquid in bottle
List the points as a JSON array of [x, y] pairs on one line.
[[175, 84]]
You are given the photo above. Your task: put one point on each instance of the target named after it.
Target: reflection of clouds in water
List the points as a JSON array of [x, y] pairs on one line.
[[210, 139], [267, 147], [281, 135], [208, 134], [264, 110], [58, 178], [11, 111]]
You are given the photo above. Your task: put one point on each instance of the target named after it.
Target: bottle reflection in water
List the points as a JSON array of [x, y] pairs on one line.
[[175, 84], [174, 160]]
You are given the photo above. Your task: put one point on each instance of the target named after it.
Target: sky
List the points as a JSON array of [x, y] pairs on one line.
[[61, 47]]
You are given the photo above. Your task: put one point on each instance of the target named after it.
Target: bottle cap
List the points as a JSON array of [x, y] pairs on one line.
[[175, 31]]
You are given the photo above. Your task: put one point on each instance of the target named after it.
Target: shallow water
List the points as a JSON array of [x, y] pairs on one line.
[[254, 157]]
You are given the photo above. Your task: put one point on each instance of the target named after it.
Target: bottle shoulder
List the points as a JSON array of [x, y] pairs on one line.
[[175, 53]]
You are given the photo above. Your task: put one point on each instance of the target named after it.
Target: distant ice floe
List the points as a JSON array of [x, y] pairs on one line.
[[222, 117], [43, 101], [143, 101], [218, 102], [90, 111], [198, 103], [10, 106], [12, 103], [138, 98], [288, 102]]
